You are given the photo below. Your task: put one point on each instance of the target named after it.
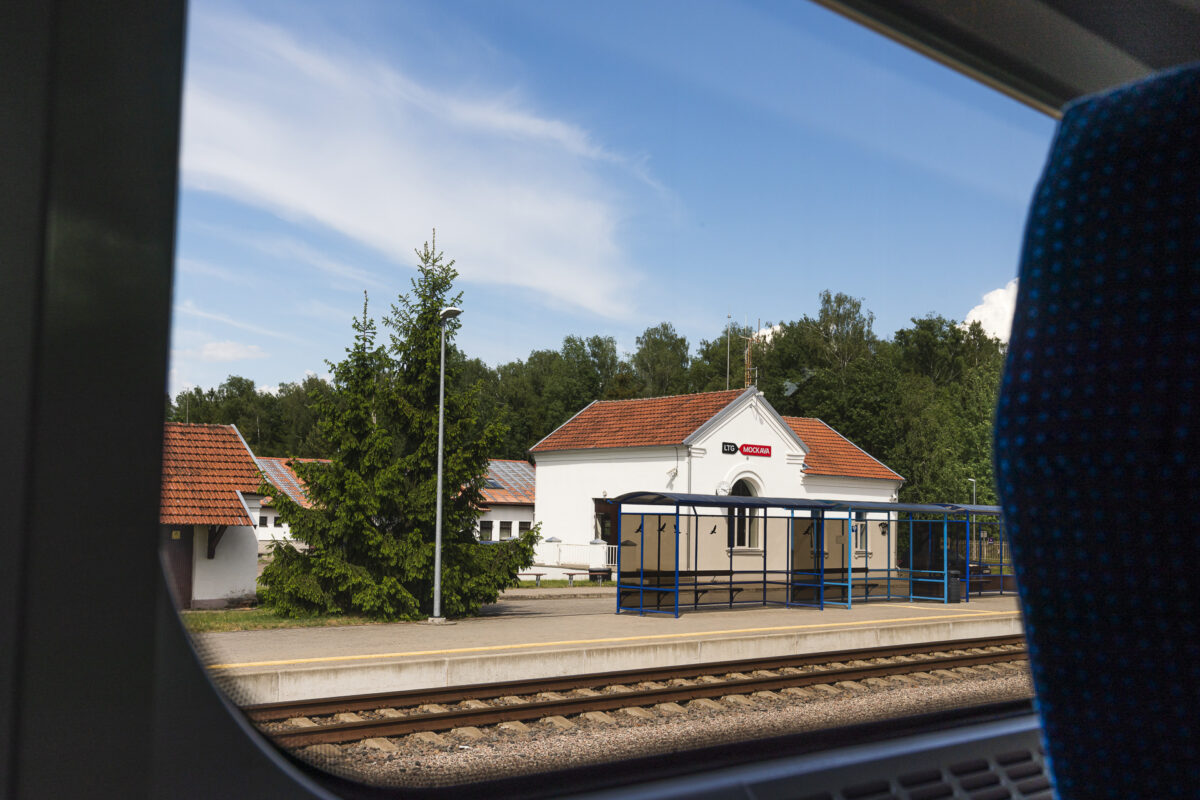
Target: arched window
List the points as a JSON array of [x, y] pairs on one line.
[[743, 522]]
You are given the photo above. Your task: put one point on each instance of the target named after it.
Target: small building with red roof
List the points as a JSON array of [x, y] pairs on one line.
[[712, 443], [280, 473], [207, 513], [508, 495]]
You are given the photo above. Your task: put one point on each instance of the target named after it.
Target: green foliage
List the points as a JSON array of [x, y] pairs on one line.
[[661, 361], [370, 532], [921, 402], [274, 424], [707, 371]]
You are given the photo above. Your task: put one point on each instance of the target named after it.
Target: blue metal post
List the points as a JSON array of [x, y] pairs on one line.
[[791, 557], [618, 611], [821, 555], [967, 566], [696, 562], [945, 558], [642, 568], [889, 553], [732, 537], [849, 557], [764, 549], [910, 557], [677, 561]]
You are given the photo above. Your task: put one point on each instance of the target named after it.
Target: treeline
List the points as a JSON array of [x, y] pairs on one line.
[[921, 401], [279, 423]]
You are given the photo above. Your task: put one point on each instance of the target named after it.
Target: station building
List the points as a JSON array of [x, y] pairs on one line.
[[208, 508], [712, 443], [508, 495], [279, 472]]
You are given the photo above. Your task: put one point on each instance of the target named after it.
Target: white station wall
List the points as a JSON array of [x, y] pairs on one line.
[[229, 577], [569, 481]]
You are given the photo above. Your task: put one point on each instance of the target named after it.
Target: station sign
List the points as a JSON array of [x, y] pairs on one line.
[[731, 448]]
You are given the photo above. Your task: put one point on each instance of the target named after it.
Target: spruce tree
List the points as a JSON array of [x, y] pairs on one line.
[[368, 536], [472, 574]]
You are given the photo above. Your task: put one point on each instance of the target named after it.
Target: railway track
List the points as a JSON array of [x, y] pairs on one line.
[[389, 714]]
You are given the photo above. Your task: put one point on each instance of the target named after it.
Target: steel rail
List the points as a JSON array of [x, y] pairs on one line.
[[266, 712], [355, 731]]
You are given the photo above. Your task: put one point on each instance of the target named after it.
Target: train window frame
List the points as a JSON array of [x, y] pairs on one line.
[[90, 128]]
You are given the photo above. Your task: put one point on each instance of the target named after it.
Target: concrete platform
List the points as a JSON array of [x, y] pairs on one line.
[[528, 637]]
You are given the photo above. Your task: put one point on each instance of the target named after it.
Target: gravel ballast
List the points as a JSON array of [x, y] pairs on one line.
[[544, 746]]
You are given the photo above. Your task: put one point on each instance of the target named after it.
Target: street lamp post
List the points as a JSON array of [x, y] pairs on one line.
[[972, 480], [446, 315]]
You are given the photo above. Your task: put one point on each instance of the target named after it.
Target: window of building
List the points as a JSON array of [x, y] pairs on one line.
[[485, 530], [262, 522], [860, 530], [278, 521], [744, 521], [604, 526], [523, 526], [506, 529]]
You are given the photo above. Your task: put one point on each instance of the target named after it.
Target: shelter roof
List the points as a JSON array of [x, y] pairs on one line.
[[509, 482], [644, 422], [204, 469], [281, 475], [798, 503], [830, 453]]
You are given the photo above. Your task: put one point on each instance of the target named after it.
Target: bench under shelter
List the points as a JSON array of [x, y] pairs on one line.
[[680, 551]]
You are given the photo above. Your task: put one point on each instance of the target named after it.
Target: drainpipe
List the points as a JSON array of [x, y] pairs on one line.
[[689, 465], [693, 520]]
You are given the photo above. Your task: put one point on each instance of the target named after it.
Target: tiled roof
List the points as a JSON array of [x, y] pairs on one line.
[[281, 475], [648, 422], [204, 467], [516, 479], [830, 453]]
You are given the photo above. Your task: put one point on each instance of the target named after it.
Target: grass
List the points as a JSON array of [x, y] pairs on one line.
[[261, 619], [258, 619]]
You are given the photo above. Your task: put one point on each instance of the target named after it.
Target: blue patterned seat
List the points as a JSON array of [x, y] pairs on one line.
[[1098, 442]]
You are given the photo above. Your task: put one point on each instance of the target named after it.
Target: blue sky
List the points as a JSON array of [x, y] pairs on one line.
[[592, 167]]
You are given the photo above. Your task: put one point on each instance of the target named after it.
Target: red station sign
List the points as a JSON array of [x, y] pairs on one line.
[[755, 450]]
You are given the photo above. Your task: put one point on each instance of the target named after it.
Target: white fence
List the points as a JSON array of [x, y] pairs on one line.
[[576, 555]]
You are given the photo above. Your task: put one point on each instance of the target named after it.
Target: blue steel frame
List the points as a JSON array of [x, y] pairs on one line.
[[817, 513], [974, 536]]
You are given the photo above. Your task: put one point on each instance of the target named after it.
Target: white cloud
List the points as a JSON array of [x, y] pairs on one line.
[[354, 145], [321, 310], [190, 309], [196, 267], [768, 333], [995, 313], [230, 351]]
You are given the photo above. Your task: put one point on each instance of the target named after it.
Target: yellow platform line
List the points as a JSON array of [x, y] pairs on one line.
[[609, 640], [932, 611]]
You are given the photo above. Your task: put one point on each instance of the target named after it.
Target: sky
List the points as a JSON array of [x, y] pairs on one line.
[[592, 168]]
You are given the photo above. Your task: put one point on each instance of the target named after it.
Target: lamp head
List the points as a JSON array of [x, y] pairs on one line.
[[449, 313]]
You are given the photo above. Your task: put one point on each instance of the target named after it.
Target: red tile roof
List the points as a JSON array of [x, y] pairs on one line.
[[280, 473], [830, 453], [204, 467], [648, 422], [516, 479]]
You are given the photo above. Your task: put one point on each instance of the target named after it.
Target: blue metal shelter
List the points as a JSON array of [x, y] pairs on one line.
[[942, 552]]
